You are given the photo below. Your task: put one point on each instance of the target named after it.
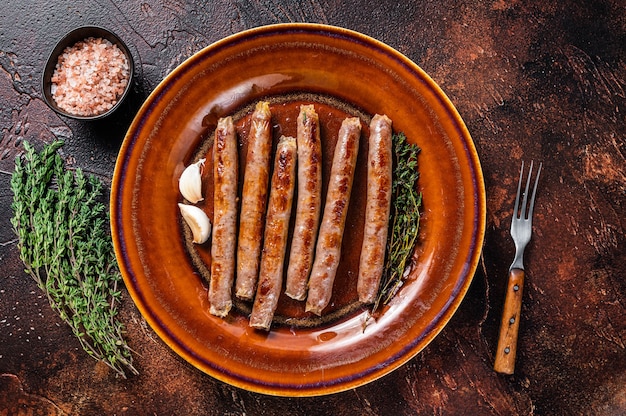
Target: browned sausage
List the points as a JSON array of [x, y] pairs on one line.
[[276, 231], [379, 180], [223, 244], [253, 201], [328, 248], [308, 204]]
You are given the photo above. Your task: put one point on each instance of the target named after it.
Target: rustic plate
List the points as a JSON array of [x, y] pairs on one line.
[[341, 72]]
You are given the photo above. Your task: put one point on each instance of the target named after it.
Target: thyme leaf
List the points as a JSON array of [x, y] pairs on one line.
[[404, 220], [63, 240]]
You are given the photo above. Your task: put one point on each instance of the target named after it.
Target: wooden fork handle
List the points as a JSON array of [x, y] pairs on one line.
[[509, 326]]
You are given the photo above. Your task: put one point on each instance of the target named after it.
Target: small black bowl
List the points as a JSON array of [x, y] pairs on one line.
[[70, 39]]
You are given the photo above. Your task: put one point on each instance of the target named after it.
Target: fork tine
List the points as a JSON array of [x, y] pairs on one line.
[[525, 200], [519, 189], [532, 199]]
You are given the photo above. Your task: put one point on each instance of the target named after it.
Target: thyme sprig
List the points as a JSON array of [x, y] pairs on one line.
[[63, 239], [404, 220]]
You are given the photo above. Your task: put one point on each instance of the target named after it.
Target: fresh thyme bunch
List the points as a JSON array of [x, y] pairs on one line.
[[64, 242], [404, 221]]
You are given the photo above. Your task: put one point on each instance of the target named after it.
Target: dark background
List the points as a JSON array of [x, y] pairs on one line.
[[537, 79]]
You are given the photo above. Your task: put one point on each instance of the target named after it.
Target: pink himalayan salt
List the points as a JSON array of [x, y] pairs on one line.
[[89, 77]]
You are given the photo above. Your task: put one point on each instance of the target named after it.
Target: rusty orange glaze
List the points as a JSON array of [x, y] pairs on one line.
[[343, 73]]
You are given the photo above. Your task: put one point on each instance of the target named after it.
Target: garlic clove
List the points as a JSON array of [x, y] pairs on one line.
[[198, 221], [190, 182]]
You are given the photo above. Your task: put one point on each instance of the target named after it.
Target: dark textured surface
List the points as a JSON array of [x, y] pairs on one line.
[[533, 80]]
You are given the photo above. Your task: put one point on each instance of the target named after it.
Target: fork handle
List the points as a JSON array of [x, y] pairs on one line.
[[509, 325]]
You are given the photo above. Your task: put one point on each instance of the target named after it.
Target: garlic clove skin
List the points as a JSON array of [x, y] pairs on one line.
[[198, 221], [190, 182]]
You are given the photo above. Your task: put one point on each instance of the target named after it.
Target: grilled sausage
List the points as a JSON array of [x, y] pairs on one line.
[[276, 231], [223, 245], [253, 201], [328, 248], [308, 204], [378, 205]]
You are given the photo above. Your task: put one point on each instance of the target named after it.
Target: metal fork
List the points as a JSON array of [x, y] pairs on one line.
[[521, 230]]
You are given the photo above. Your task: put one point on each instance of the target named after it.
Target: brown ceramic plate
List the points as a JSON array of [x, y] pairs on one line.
[[341, 72]]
